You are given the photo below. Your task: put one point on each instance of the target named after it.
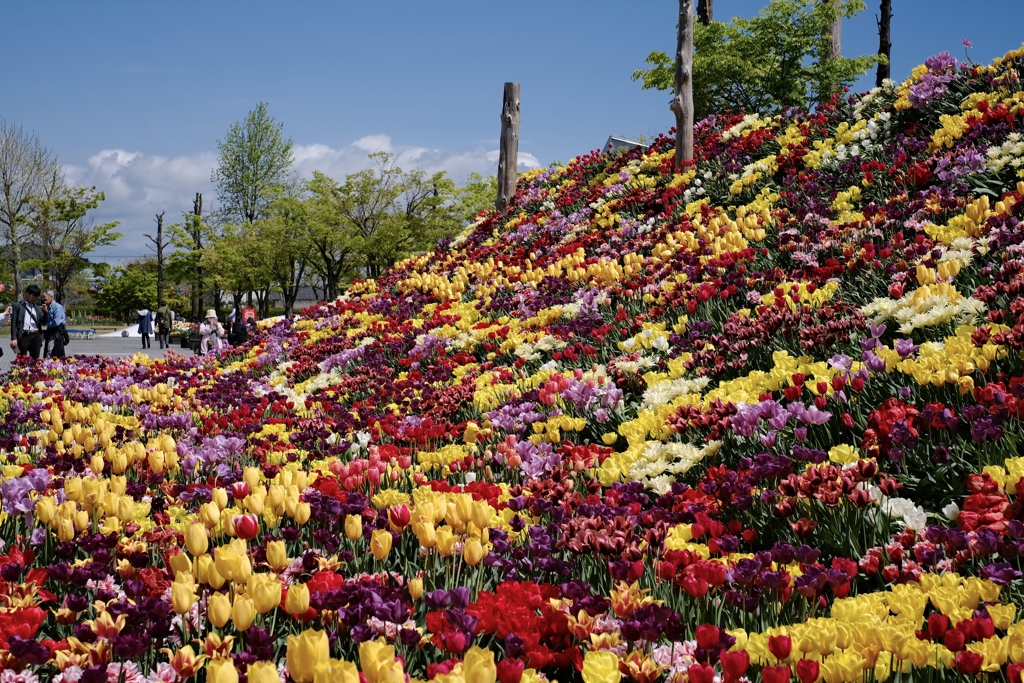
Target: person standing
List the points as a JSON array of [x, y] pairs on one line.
[[26, 324], [56, 324], [146, 326], [164, 323], [213, 333]]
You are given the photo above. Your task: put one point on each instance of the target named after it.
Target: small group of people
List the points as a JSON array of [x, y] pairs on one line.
[[215, 338], [164, 319], [37, 329]]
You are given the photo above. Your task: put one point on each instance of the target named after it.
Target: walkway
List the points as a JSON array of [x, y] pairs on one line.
[[100, 346]]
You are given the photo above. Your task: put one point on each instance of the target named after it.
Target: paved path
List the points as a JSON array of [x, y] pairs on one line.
[[100, 346]]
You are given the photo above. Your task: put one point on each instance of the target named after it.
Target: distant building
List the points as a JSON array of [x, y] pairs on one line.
[[620, 144]]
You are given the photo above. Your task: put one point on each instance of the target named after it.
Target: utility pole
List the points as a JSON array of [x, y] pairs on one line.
[[508, 159], [159, 244], [705, 11]]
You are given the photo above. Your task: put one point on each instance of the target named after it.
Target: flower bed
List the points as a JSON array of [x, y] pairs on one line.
[[759, 419]]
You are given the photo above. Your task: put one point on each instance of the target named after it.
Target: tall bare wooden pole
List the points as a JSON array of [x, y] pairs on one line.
[[705, 11], [508, 159], [884, 41], [835, 48], [682, 103], [159, 244], [196, 295]]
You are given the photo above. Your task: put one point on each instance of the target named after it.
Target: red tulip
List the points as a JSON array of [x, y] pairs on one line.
[[1013, 673], [246, 526], [708, 636], [509, 670], [807, 670], [735, 664], [775, 674], [399, 515], [938, 624], [239, 490], [969, 663], [701, 673], [780, 646], [954, 640]]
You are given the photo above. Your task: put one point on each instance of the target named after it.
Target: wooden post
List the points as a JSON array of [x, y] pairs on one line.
[[159, 244], [508, 159], [196, 295], [884, 41], [682, 103], [835, 48], [705, 11]]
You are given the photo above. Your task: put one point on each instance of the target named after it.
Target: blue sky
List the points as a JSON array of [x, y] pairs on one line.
[[134, 95]]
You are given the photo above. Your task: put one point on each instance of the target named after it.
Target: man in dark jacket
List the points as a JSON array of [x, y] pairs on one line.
[[26, 324]]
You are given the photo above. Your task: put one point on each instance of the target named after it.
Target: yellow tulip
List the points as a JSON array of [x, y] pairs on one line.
[[335, 671], [228, 562], [601, 667], [373, 655], [302, 513], [183, 596], [243, 612], [380, 543], [221, 671], [415, 588], [445, 541], [425, 533], [354, 527], [277, 556], [391, 672], [96, 464], [265, 591], [220, 497], [297, 600], [478, 666], [263, 672], [305, 651], [209, 514], [180, 564], [219, 611], [473, 552], [196, 540], [46, 509]]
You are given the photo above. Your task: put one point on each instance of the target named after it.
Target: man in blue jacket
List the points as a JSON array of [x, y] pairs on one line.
[[27, 324], [55, 326]]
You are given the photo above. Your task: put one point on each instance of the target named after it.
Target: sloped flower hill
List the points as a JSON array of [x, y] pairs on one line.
[[758, 419]]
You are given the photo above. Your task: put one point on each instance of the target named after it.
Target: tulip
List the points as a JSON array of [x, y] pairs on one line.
[[373, 655], [296, 602], [473, 552], [209, 514], [380, 543], [221, 671], [302, 513], [96, 464], [415, 588], [969, 663], [243, 612], [482, 513], [807, 670], [305, 651], [700, 673], [776, 674], [425, 534], [277, 556], [510, 670], [735, 664], [780, 646], [262, 672], [478, 666], [196, 540], [246, 526], [265, 591], [399, 516], [219, 611], [335, 671], [601, 666], [251, 476], [354, 527], [707, 636], [183, 596], [219, 496], [445, 541]]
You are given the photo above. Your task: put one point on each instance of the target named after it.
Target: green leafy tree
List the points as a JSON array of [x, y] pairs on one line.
[[128, 289], [25, 168], [283, 246], [253, 166], [62, 234], [334, 255], [779, 58], [475, 196]]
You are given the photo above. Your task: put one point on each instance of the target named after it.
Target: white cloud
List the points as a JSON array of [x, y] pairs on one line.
[[139, 185]]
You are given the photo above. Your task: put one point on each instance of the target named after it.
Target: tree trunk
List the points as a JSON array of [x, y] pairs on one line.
[[159, 243], [705, 13], [835, 48], [16, 261], [682, 103], [884, 41], [508, 159], [197, 239]]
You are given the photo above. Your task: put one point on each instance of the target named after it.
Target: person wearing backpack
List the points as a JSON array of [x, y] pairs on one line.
[[164, 322], [26, 324]]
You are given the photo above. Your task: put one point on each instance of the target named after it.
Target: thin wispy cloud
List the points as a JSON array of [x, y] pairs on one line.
[[140, 185]]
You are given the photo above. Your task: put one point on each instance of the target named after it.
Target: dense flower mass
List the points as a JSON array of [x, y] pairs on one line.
[[759, 420]]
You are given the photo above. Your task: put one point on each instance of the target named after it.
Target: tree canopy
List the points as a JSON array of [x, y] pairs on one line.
[[777, 59]]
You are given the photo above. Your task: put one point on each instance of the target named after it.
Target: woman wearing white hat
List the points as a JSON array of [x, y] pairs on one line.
[[213, 334]]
